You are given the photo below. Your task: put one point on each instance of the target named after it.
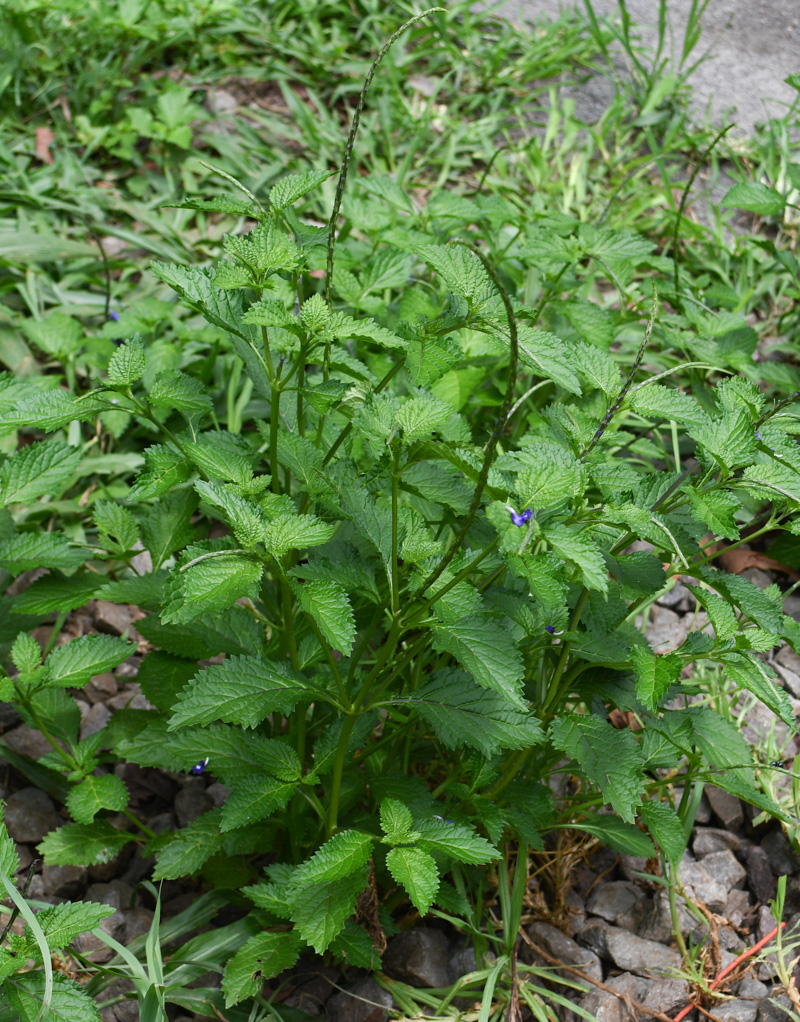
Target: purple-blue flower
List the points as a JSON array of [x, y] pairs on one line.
[[550, 628], [199, 767], [519, 519], [113, 315]]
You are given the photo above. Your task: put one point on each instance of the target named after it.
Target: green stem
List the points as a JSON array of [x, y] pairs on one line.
[[55, 631], [144, 829], [338, 770], [458, 577], [554, 686], [274, 421], [395, 578]]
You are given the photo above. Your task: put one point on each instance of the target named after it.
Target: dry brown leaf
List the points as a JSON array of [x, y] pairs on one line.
[[44, 139], [737, 560]]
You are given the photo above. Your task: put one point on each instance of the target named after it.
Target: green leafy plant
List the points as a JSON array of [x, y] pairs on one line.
[[413, 490]]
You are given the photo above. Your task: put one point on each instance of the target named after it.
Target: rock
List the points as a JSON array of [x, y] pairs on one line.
[[9, 717], [629, 952], [65, 881], [127, 1011], [735, 1011], [678, 597], [762, 725], [101, 687], [575, 913], [727, 808], [365, 1002], [787, 666], [191, 802], [95, 720], [117, 894], [737, 907], [93, 947], [699, 883], [759, 874], [138, 921], [708, 840], [631, 865], [782, 859], [667, 996], [30, 814], [605, 1007], [726, 869], [24, 856], [775, 1009], [418, 957], [664, 631], [751, 987], [612, 900], [564, 948], [218, 793], [129, 697], [314, 987], [112, 618], [703, 814], [27, 741], [657, 923]]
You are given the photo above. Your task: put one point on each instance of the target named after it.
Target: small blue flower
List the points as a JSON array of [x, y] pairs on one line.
[[758, 435], [550, 628], [199, 767], [521, 519], [113, 315]]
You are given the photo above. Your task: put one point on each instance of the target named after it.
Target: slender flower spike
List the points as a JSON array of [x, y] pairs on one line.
[[521, 519], [199, 767]]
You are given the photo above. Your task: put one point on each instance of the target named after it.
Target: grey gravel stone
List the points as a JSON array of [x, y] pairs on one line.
[[9, 717], [95, 949], [759, 874], [113, 618], [752, 987], [704, 813], [27, 741], [101, 687], [138, 921], [725, 868], [364, 1002], [727, 808], [565, 949], [782, 859], [314, 987], [192, 802], [30, 814], [777, 1008], [94, 720], [218, 793], [787, 666], [665, 630], [699, 883], [737, 907], [657, 924], [64, 881], [117, 894], [627, 951], [667, 996], [708, 840], [606, 1007], [611, 900], [735, 1011], [576, 912], [418, 957], [631, 865], [127, 1011], [24, 856], [678, 597]]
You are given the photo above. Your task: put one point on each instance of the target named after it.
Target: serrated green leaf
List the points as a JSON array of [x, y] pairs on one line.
[[175, 390], [77, 661], [730, 439], [463, 713], [292, 187], [416, 871], [127, 364], [622, 837], [57, 334], [167, 526], [78, 845], [296, 532], [329, 605], [263, 956], [320, 910], [69, 1002], [419, 417], [461, 271], [117, 527], [396, 820], [552, 475], [716, 510], [548, 356], [754, 197], [253, 799], [354, 946], [27, 551], [667, 830], [93, 794], [212, 585], [340, 856], [752, 674], [442, 837], [61, 923], [26, 653], [609, 758], [654, 674], [162, 678], [190, 847], [241, 690], [9, 860], [583, 552], [658, 402], [164, 469], [36, 470], [488, 653]]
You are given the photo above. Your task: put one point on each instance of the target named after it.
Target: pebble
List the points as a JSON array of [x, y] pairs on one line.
[[665, 630], [780, 1012], [192, 802], [759, 874], [93, 947], [787, 666], [138, 922], [782, 859], [614, 899], [116, 893], [364, 1002], [700, 884], [627, 951], [27, 741], [605, 1007], [737, 907], [565, 949], [752, 987], [218, 793], [727, 808], [575, 913], [94, 720], [101, 687], [708, 840], [725, 867], [419, 957], [313, 988], [657, 923], [667, 996], [29, 815], [112, 618], [65, 881], [9, 717], [735, 1011]]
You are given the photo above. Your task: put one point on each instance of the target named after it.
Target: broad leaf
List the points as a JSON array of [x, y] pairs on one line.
[[263, 956], [36, 470], [77, 661], [417, 872], [488, 653], [94, 794]]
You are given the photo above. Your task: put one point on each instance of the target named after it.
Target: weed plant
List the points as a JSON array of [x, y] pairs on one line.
[[405, 478]]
